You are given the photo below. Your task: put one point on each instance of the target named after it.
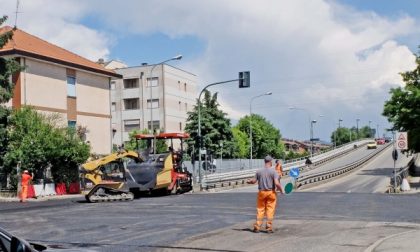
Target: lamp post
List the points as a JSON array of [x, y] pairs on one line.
[[312, 137], [309, 120], [250, 126], [370, 129], [178, 57], [377, 130], [339, 126], [357, 127]]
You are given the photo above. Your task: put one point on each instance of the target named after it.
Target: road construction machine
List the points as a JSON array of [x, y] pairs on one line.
[[121, 175]]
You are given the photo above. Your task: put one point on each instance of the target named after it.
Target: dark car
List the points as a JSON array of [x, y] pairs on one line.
[[10, 243]]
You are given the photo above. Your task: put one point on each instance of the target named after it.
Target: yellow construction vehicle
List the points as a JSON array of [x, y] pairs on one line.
[[120, 175]]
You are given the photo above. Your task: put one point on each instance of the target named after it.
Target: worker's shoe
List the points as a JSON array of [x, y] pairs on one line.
[[256, 230], [269, 228]]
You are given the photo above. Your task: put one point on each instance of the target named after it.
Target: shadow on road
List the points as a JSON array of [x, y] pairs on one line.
[[377, 172]]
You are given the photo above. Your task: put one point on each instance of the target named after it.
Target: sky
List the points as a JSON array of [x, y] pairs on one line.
[[329, 59]]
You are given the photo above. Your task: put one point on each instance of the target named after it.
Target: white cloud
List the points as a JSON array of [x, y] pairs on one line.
[[329, 58], [58, 22]]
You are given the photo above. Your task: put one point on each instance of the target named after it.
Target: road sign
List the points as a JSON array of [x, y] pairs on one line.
[[402, 141], [294, 172], [288, 188]]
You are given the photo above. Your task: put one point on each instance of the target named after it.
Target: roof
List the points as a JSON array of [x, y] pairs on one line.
[[28, 45], [163, 136]]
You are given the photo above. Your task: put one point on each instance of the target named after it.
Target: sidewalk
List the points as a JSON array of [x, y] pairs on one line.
[[43, 198], [309, 235]]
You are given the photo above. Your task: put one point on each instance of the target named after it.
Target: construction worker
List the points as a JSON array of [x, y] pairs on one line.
[[268, 180], [26, 178], [279, 168]]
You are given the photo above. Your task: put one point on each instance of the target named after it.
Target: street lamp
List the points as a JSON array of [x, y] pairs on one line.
[[377, 130], [250, 126], [370, 129], [309, 118], [357, 127], [178, 57], [339, 126], [312, 137]]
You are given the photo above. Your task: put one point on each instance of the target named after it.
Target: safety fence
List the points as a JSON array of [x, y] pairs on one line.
[[314, 178], [233, 176], [402, 173]]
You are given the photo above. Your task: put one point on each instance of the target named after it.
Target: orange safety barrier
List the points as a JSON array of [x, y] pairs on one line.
[[74, 188], [60, 188]]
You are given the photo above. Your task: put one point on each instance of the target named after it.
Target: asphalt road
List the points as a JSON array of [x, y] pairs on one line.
[[157, 223], [351, 157], [374, 177]]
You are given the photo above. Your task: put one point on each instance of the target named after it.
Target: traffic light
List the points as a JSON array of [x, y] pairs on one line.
[[244, 79]]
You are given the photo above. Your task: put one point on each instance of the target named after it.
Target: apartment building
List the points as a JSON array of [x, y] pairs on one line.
[[58, 81], [158, 95]]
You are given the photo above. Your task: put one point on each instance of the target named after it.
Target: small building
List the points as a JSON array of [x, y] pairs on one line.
[[55, 80], [150, 97]]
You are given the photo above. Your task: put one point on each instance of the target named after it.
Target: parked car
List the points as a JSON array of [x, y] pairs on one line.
[[372, 145]]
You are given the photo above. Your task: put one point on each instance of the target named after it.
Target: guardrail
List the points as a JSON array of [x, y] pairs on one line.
[[401, 174], [218, 180], [326, 175]]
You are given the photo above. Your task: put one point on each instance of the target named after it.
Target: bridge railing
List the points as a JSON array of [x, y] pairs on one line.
[[239, 169], [325, 175]]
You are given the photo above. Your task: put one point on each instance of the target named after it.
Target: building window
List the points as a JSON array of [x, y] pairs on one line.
[[71, 124], [71, 86], [132, 103], [112, 85], [179, 106], [156, 125], [180, 126], [131, 83], [130, 125], [154, 103], [113, 106], [185, 87], [186, 106], [179, 85], [152, 82]]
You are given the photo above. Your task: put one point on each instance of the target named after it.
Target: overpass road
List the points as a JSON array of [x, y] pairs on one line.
[[373, 177], [351, 157]]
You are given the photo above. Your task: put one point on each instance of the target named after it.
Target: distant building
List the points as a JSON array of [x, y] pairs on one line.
[[300, 147], [55, 80], [139, 98]]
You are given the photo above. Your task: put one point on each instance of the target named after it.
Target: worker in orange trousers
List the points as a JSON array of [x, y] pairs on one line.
[[26, 178], [279, 168], [268, 181]]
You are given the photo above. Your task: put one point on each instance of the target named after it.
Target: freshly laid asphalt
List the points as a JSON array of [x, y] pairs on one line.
[[330, 218]]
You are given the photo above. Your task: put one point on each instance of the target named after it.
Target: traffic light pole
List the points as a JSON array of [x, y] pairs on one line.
[[199, 123]]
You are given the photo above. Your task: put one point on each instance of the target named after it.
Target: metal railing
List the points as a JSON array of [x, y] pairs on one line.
[[228, 177], [325, 175]]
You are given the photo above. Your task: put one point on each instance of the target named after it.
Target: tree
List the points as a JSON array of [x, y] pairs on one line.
[[215, 128], [7, 68], [403, 109], [265, 137], [36, 142], [241, 143], [161, 145]]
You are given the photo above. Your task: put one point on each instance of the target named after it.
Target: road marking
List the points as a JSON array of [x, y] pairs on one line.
[[372, 247]]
